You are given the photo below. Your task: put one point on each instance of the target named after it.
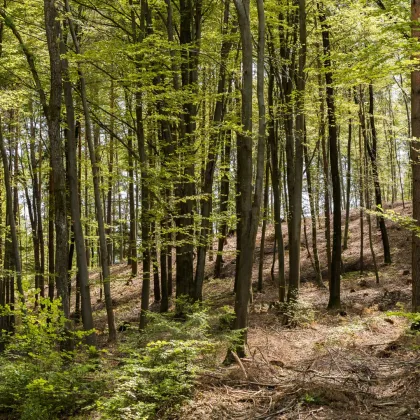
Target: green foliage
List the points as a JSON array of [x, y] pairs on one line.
[[312, 399], [413, 317], [161, 374], [297, 312], [38, 378], [156, 377], [406, 222]]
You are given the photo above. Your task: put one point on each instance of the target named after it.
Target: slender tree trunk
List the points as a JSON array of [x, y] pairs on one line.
[[51, 259], [206, 204], [372, 251], [348, 186], [224, 200], [12, 223], [373, 154], [415, 154], [275, 179], [52, 26], [249, 209], [132, 260], [263, 230], [296, 181], [110, 177], [361, 186], [164, 303], [334, 300], [190, 17], [77, 228], [97, 194], [313, 218], [327, 227]]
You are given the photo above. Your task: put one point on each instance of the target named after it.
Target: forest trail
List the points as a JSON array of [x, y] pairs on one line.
[[357, 364]]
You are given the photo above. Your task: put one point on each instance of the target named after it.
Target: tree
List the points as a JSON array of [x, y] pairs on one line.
[[334, 301], [414, 152]]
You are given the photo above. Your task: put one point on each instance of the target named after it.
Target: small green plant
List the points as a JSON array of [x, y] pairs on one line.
[[296, 313], [226, 318], [414, 318], [312, 399]]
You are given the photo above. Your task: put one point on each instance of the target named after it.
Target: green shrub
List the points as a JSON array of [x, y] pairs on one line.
[[159, 375], [296, 313], [38, 379], [156, 377]]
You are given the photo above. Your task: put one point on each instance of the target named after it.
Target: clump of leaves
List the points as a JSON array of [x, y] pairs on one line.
[[38, 378]]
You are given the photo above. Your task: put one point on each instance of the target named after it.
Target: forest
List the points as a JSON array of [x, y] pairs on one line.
[[209, 209]]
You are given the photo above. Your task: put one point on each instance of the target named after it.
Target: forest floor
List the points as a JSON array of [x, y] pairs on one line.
[[357, 364]]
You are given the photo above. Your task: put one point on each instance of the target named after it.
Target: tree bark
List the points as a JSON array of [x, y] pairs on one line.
[[334, 300], [190, 33], [295, 161], [249, 208], [348, 186], [415, 155], [9, 211], [373, 154], [77, 228], [263, 230], [275, 180], [313, 218], [52, 27]]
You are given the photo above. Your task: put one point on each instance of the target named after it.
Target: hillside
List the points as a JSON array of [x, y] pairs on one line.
[[357, 364]]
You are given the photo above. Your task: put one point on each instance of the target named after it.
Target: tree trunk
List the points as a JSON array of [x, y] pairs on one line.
[[348, 186], [224, 200], [9, 211], [264, 227], [206, 203], [77, 228], [190, 24], [334, 300], [132, 253], [97, 194], [373, 153], [273, 142], [415, 154], [110, 178], [249, 210], [52, 27], [295, 165], [313, 218]]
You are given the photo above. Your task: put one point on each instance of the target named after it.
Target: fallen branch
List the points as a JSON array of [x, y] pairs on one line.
[[238, 360]]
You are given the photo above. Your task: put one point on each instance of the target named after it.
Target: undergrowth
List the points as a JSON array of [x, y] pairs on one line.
[[150, 373], [159, 367], [40, 378]]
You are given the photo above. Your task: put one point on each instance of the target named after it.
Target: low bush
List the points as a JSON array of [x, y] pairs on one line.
[[38, 378], [159, 375]]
